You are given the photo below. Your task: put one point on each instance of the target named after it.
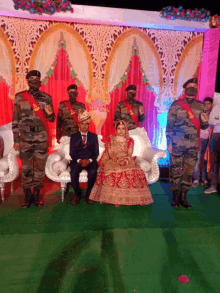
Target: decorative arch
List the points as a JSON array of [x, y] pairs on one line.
[[135, 32], [10, 79], [195, 42], [62, 27]]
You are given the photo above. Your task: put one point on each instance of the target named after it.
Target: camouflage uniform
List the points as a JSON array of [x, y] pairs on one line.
[[66, 125], [29, 131], [122, 113], [184, 137]]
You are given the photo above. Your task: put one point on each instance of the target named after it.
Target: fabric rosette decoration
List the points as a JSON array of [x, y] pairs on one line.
[[185, 14], [43, 6]]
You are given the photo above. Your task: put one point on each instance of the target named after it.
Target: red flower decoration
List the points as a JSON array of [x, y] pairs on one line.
[[192, 14], [175, 9], [182, 13], [168, 16], [183, 279]]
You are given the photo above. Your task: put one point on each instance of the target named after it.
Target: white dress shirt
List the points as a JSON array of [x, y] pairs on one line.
[[214, 118]]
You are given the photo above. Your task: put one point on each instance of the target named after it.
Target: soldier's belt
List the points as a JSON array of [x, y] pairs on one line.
[[33, 128], [191, 136]]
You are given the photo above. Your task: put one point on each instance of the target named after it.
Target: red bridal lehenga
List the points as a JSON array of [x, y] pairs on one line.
[[120, 185]]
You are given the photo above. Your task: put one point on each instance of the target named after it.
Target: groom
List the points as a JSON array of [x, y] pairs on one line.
[[84, 150]]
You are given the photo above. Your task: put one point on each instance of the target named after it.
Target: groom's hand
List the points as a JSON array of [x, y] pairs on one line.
[[84, 162]]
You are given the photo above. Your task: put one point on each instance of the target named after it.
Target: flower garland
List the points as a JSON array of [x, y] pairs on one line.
[[185, 14], [97, 105], [214, 21], [43, 6]]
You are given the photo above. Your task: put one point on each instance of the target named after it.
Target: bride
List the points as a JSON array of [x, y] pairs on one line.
[[120, 180]]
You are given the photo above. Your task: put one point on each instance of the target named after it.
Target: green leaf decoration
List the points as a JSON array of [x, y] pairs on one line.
[[45, 81], [145, 79], [124, 77], [118, 86], [49, 72], [73, 74]]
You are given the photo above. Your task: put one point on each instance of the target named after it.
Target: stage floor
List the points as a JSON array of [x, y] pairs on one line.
[[100, 248]]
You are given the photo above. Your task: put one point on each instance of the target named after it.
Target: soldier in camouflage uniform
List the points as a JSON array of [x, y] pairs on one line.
[[66, 125], [31, 137], [183, 142], [122, 113]]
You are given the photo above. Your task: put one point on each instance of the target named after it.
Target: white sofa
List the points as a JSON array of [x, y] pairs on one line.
[[57, 163], [9, 170]]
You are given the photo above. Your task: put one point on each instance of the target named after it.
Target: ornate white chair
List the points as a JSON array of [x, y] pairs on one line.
[[9, 170], [57, 163]]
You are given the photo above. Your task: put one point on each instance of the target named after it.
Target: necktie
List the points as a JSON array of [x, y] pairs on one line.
[[83, 139]]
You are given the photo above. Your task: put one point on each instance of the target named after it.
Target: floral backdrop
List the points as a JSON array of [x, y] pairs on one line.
[[100, 59]]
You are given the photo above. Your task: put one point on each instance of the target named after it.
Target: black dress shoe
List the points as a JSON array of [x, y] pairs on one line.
[[89, 201], [75, 200]]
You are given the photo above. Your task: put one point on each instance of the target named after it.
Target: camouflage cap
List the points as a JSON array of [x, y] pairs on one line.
[[191, 80], [131, 87], [72, 87], [33, 73]]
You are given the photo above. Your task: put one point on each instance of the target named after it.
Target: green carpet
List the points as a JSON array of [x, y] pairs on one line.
[[100, 248]]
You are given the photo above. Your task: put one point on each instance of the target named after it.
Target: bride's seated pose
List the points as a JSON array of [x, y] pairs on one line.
[[120, 180]]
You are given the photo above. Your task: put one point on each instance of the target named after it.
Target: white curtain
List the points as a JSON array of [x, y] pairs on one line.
[[47, 53], [149, 64], [77, 58], [120, 62], [122, 57], [189, 66], [5, 68]]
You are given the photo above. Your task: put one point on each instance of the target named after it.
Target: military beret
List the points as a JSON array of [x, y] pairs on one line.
[[33, 73], [131, 87], [72, 87], [191, 80]]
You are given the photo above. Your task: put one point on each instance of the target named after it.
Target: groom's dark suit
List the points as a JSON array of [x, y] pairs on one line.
[[79, 151]]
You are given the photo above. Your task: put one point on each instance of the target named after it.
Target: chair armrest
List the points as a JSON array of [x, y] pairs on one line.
[[151, 154], [12, 165], [53, 158]]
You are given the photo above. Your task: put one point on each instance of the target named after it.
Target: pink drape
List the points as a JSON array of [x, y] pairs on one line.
[[145, 96], [57, 86], [209, 63], [6, 104]]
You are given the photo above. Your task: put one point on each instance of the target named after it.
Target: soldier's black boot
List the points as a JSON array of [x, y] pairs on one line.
[[175, 201], [27, 198], [36, 196], [183, 200]]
